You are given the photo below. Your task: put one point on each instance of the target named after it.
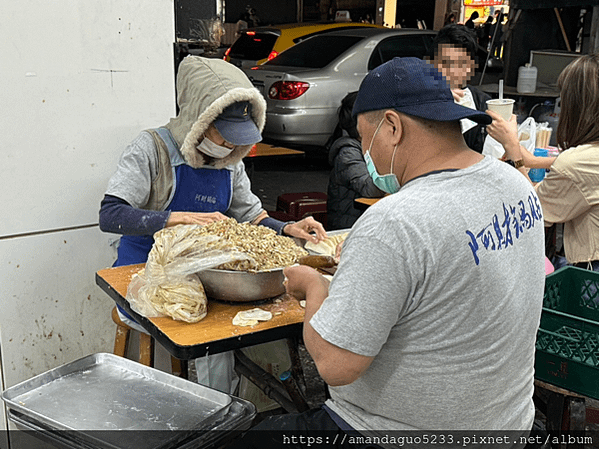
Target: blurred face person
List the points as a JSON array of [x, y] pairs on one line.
[[455, 64], [214, 144], [216, 137]]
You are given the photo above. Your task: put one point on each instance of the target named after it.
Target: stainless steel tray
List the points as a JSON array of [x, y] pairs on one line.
[[107, 392], [239, 418]]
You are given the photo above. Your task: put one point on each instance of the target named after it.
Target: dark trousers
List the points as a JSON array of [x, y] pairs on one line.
[[313, 428]]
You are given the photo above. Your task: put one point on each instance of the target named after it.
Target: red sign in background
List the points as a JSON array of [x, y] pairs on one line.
[[475, 3]]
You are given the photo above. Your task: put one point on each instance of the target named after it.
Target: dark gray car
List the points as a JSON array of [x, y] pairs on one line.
[[305, 84]]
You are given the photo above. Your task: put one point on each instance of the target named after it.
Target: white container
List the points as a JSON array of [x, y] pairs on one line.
[[504, 107], [527, 79]]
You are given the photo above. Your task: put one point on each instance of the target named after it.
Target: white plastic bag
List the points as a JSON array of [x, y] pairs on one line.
[[169, 285], [527, 134]]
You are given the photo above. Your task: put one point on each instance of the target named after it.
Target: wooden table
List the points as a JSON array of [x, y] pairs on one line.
[[267, 150], [264, 150], [215, 333], [365, 203]]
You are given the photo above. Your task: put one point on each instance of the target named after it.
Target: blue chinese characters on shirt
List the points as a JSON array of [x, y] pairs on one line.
[[506, 228]]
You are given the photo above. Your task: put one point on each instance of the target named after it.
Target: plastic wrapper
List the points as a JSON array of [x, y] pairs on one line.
[[169, 284], [527, 132]]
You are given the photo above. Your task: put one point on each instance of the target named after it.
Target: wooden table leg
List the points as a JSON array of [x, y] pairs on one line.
[[146, 349]]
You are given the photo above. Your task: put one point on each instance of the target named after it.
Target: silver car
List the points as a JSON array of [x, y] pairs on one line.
[[305, 84]]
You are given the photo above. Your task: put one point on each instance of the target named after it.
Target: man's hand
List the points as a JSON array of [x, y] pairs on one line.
[[300, 279], [458, 94], [199, 218], [303, 228], [337, 366]]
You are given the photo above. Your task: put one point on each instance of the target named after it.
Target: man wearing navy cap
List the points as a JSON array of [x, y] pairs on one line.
[[190, 171], [427, 323]]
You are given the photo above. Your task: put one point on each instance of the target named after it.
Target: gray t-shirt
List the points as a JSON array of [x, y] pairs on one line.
[[442, 283], [138, 167]]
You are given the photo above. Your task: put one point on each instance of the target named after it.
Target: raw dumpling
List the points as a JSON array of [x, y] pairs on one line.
[[251, 317]]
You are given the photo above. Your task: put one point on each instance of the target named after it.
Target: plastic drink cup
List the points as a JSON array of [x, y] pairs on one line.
[[504, 107], [537, 174]]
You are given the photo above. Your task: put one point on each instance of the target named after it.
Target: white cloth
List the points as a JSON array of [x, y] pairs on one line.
[[467, 101], [218, 371]]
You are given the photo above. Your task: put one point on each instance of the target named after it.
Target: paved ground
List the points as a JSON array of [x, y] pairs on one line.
[[272, 177]]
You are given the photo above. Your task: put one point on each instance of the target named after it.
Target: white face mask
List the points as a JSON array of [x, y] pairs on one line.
[[211, 149]]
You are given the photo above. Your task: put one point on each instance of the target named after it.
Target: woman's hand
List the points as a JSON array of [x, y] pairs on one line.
[[199, 218], [303, 228], [502, 131], [506, 133]]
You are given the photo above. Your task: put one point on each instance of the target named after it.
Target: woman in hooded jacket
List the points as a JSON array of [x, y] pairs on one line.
[[190, 171]]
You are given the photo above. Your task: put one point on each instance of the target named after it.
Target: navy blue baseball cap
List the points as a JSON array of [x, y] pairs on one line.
[[413, 87], [236, 126]]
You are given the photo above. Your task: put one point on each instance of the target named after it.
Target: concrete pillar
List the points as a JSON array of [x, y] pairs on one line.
[[379, 14], [440, 12]]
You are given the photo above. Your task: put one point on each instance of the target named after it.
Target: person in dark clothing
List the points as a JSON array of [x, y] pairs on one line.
[[470, 22], [497, 35], [450, 18], [349, 177], [455, 57], [485, 33]]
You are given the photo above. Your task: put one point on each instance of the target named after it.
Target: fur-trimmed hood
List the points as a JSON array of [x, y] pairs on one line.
[[205, 87]]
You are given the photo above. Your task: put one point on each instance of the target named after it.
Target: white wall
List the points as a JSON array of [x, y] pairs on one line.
[[80, 79]]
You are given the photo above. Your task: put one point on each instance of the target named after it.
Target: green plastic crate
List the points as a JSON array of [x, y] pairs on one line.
[[567, 348]]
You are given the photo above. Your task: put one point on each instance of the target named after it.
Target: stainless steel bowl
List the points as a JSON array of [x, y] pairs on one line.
[[242, 286]]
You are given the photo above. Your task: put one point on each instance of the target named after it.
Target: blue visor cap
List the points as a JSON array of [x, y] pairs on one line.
[[236, 126], [413, 87]]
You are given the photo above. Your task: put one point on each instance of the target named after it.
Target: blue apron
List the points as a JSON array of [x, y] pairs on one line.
[[196, 190]]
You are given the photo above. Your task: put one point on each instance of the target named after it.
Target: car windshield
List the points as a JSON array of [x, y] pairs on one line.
[[316, 52], [253, 46]]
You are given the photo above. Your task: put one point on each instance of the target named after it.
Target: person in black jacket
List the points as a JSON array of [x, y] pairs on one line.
[[349, 177], [455, 57], [470, 22]]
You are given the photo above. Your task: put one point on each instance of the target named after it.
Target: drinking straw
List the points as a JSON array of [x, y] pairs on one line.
[[501, 89]]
